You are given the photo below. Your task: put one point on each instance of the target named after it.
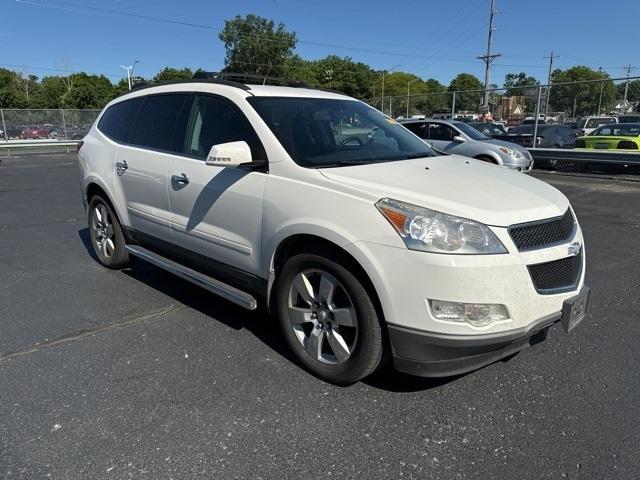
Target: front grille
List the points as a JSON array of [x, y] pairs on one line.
[[557, 276], [529, 236]]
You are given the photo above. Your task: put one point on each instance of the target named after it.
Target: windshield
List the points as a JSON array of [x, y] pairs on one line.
[[470, 131], [319, 133]]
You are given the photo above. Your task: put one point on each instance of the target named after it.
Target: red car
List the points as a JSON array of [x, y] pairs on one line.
[[35, 132]]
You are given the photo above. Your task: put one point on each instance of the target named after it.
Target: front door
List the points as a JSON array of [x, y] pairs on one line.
[[217, 211], [441, 136]]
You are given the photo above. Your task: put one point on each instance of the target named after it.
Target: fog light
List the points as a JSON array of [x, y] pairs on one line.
[[475, 314]]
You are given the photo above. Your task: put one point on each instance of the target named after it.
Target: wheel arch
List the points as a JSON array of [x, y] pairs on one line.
[[491, 156], [313, 243], [93, 186]]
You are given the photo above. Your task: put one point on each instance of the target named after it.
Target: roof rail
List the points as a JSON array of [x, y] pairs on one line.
[[142, 84], [250, 78]]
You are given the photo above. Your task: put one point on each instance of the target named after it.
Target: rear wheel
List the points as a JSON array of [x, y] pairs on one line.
[[106, 234], [328, 319]]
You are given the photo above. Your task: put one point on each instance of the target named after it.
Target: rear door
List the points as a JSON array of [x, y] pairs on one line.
[[142, 162], [217, 211]]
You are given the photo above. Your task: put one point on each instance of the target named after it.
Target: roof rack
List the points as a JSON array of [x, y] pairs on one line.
[[249, 78], [230, 79], [141, 84]]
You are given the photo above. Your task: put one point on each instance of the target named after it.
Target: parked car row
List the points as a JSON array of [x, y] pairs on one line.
[[35, 132], [608, 132]]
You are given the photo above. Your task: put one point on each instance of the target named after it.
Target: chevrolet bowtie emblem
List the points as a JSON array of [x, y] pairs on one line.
[[574, 249]]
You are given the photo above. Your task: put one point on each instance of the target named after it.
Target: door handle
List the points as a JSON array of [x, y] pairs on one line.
[[121, 167], [181, 179]]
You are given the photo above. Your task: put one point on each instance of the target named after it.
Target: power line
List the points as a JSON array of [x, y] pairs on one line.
[[49, 69], [69, 6]]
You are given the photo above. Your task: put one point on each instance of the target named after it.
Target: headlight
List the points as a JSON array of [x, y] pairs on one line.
[[512, 153], [431, 231]]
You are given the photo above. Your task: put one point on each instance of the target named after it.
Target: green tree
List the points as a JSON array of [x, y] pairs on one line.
[[594, 91], [343, 74], [51, 92], [168, 74], [425, 97], [10, 95], [633, 94], [88, 91], [518, 84], [254, 45], [466, 100], [296, 68]]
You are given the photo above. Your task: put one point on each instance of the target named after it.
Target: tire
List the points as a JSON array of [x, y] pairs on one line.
[[335, 333], [107, 238]]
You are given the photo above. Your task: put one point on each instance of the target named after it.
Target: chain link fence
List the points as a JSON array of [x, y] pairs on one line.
[[537, 116], [593, 125], [53, 124]]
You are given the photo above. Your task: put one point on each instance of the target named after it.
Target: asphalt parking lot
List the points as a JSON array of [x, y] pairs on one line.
[[138, 374]]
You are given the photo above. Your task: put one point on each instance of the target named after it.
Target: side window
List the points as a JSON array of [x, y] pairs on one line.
[[419, 128], [214, 121], [160, 122], [118, 121], [438, 131]]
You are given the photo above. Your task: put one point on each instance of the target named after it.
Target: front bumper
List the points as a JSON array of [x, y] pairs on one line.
[[524, 165], [432, 355]]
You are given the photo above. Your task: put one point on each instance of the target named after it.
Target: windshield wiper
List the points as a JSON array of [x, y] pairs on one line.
[[346, 163], [419, 155]]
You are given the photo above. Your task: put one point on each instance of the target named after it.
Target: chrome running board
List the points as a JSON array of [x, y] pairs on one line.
[[215, 286]]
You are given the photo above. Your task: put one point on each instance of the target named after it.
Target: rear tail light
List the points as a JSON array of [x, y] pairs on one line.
[[79, 145]]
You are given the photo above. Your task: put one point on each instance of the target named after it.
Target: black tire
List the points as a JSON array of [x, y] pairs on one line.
[[113, 257], [368, 349]]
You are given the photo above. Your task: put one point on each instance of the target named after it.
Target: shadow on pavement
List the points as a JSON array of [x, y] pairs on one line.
[[264, 326]]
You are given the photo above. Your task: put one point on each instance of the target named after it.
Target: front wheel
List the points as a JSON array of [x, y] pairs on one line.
[[106, 234], [329, 319]]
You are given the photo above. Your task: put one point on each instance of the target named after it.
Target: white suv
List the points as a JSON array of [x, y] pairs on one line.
[[364, 242]]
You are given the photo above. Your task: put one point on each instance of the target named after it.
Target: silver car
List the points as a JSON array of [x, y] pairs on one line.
[[461, 139]]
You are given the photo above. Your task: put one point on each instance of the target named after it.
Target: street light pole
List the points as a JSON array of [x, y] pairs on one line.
[[382, 94], [129, 70], [409, 82]]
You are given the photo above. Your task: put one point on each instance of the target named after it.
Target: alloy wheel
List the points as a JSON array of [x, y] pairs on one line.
[[103, 234], [322, 316]]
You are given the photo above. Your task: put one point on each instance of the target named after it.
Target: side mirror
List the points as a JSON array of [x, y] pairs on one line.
[[229, 154], [459, 139]]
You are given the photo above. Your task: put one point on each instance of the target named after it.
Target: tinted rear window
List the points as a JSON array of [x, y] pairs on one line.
[[118, 121], [162, 116], [596, 122]]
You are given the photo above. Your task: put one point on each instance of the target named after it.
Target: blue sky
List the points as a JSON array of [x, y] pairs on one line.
[[433, 39]]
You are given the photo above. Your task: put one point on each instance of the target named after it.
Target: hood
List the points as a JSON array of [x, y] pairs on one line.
[[502, 143], [457, 185]]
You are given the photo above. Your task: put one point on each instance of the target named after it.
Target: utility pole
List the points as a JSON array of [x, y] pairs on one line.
[[546, 102], [628, 68], [489, 57]]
